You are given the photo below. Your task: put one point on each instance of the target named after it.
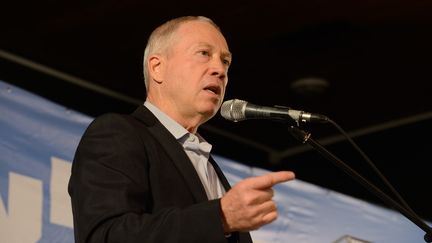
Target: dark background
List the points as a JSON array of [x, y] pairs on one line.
[[365, 64]]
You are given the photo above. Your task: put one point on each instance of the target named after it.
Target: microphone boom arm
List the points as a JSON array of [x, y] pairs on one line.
[[305, 137]]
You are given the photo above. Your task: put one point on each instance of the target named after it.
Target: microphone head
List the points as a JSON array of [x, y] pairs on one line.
[[234, 110]]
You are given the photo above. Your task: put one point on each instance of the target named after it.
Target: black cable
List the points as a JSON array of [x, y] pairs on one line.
[[373, 166], [413, 217]]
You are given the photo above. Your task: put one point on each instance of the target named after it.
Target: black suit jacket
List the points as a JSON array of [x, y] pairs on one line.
[[132, 181]]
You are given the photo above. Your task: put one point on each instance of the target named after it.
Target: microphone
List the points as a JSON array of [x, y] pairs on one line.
[[238, 110]]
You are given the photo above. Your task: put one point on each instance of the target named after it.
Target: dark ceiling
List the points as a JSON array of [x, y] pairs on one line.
[[365, 64]]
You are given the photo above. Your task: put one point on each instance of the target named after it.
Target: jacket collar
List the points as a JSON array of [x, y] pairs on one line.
[[174, 150]]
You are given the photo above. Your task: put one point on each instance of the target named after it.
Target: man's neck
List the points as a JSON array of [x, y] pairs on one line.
[[189, 123]]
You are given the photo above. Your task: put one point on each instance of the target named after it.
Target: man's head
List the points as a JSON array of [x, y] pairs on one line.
[[186, 65], [161, 38]]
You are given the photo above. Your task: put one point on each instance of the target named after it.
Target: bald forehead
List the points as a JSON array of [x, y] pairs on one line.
[[200, 28], [194, 22]]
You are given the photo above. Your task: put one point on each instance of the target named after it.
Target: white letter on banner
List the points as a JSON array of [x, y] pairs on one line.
[[23, 221], [61, 209]]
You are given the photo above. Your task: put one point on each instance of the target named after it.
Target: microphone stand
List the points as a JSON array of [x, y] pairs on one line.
[[304, 137]]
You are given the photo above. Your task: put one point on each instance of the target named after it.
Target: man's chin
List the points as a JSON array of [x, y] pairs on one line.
[[209, 110]]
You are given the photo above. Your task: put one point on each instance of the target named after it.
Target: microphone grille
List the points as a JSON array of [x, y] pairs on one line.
[[234, 110]]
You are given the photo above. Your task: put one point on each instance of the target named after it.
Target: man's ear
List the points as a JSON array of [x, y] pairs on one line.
[[155, 68]]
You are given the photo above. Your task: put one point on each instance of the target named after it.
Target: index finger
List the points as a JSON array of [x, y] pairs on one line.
[[271, 179]]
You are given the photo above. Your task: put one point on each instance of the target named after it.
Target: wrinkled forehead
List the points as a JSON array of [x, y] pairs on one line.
[[192, 32]]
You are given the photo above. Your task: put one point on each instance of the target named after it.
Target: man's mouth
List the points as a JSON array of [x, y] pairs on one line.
[[214, 89]]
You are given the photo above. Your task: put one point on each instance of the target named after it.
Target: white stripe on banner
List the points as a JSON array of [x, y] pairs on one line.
[[61, 212], [23, 221], [37, 142]]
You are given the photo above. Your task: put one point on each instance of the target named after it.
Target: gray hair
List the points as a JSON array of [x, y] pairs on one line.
[[161, 39]]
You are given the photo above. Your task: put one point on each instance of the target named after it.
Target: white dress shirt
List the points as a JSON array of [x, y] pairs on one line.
[[196, 148]]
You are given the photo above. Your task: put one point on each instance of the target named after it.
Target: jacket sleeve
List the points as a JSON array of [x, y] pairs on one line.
[[112, 196]]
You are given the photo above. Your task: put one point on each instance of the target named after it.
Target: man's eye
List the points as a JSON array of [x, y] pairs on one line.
[[204, 53], [227, 62]]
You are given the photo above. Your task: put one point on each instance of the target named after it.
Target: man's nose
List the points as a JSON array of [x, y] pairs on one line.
[[219, 68]]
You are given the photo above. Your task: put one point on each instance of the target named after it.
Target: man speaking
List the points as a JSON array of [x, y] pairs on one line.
[[148, 176]]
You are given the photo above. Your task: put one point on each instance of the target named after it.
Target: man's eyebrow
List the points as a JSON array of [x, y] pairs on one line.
[[224, 53], [227, 54]]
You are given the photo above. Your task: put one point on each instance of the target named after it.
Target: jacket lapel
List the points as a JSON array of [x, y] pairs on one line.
[[174, 150], [220, 174]]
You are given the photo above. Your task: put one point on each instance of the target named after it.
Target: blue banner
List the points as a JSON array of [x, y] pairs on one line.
[[37, 142]]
